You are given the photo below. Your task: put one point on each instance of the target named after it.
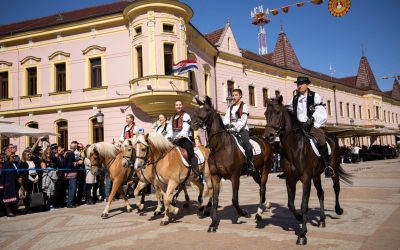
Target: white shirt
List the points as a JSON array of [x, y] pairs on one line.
[[32, 171], [127, 128], [320, 115], [355, 150], [238, 123], [159, 129], [185, 132]]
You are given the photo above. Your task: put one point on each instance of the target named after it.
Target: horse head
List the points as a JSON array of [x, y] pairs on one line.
[[128, 153], [275, 117], [141, 150], [94, 158], [202, 114]]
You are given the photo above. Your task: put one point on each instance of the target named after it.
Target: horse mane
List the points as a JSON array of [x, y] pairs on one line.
[[160, 142], [132, 140], [105, 149]]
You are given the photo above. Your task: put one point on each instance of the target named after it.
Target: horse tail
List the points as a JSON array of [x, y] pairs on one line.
[[344, 176]]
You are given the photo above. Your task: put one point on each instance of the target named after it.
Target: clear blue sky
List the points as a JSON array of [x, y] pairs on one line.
[[319, 39]]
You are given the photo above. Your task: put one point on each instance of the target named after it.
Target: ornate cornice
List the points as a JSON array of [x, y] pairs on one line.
[[96, 47], [36, 59], [57, 53], [9, 64]]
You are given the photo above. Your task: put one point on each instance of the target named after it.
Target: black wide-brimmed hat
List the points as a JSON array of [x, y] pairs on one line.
[[302, 79]]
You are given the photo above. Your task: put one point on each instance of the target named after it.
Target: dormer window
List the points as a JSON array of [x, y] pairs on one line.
[[168, 28]]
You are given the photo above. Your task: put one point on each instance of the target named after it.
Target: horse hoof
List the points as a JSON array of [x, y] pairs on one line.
[[258, 217], [163, 223], [338, 210], [206, 214], [268, 205], [157, 213], [142, 214], [186, 205], [321, 223], [104, 215], [212, 229], [129, 210], [301, 240], [245, 214]]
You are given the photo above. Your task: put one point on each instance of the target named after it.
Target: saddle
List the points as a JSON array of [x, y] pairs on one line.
[[184, 156], [314, 143], [256, 147]]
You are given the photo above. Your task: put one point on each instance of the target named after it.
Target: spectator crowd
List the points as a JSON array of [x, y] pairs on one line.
[[47, 177]]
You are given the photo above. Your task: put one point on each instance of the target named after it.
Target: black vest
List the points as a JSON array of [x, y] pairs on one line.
[[310, 103]]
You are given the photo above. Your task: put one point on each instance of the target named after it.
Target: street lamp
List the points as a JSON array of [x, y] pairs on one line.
[[100, 118], [229, 100], [352, 122]]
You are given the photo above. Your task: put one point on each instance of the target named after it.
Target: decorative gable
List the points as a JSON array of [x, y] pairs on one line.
[[228, 42]]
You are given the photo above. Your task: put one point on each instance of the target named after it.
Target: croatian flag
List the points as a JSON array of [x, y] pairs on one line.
[[184, 66]]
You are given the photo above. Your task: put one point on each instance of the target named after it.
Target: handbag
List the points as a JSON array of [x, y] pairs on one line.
[[37, 199], [21, 193]]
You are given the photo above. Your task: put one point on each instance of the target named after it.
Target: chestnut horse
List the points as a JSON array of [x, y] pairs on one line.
[[116, 166], [223, 144], [160, 163], [299, 162], [146, 176]]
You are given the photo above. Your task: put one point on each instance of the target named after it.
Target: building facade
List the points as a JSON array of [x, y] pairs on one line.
[[57, 72]]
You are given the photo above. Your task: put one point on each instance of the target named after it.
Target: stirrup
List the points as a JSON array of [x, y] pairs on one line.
[[329, 172]]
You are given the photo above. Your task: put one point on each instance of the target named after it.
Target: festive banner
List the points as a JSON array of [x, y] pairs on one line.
[[339, 7], [317, 1], [285, 9], [300, 4], [275, 12]]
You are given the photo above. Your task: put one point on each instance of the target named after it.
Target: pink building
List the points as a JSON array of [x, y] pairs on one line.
[[57, 72]]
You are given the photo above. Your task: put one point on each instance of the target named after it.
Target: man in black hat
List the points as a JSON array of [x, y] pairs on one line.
[[310, 111]]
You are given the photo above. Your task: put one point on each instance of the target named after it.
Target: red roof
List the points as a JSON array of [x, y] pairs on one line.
[[63, 18], [365, 76], [284, 54], [214, 36]]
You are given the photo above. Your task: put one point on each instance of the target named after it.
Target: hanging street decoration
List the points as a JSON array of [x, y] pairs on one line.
[[339, 8], [285, 9]]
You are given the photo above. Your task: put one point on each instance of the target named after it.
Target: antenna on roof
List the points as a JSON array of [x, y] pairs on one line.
[[362, 50]]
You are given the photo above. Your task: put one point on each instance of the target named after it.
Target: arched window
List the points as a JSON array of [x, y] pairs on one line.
[[32, 140], [97, 130], [62, 130]]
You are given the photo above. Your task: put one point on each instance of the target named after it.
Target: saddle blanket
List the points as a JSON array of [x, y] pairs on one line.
[[197, 152], [256, 147], [314, 147]]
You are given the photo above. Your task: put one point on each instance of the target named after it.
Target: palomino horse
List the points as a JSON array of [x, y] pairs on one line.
[[299, 162], [161, 164], [222, 144], [108, 155], [147, 176]]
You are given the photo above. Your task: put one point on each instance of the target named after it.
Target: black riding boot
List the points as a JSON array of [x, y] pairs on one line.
[[195, 168], [324, 159], [250, 164]]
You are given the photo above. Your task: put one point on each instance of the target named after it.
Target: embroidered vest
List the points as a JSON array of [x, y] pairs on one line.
[[310, 103], [238, 113], [130, 133], [177, 123]]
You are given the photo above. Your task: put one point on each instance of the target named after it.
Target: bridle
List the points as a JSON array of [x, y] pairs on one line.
[[96, 152], [130, 159], [280, 128]]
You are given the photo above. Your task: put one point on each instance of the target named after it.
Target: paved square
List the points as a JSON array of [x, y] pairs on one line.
[[371, 220]]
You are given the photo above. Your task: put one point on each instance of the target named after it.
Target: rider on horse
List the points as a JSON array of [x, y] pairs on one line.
[[310, 111], [178, 130], [236, 121], [129, 131]]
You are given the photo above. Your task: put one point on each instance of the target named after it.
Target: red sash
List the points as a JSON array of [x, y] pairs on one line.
[[130, 133]]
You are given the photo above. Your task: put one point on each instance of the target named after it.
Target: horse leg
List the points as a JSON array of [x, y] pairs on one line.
[[302, 239], [263, 188], [235, 197], [291, 191], [159, 203], [215, 179], [115, 187], [336, 188], [128, 206], [139, 187], [200, 207], [176, 195], [169, 208], [187, 198], [320, 193]]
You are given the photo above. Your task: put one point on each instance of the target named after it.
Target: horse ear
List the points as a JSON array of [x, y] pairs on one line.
[[198, 100], [280, 99], [146, 136], [208, 101]]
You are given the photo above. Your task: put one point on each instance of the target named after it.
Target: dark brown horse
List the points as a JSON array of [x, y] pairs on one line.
[[299, 162], [222, 144]]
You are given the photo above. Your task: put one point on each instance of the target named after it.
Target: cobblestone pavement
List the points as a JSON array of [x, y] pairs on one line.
[[371, 220]]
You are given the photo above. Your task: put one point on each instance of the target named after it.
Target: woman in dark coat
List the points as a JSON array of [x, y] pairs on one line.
[[8, 194]]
